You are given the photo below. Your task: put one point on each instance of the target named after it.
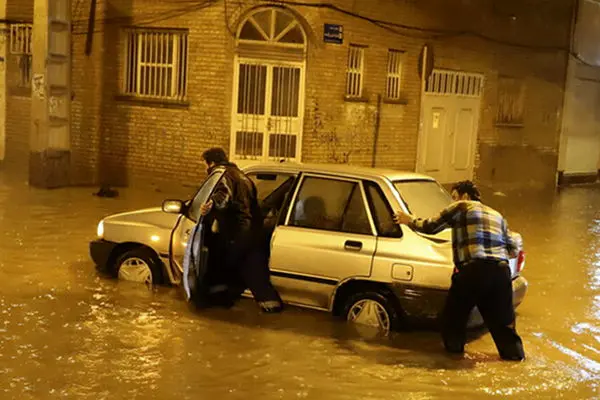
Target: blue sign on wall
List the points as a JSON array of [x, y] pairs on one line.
[[333, 34]]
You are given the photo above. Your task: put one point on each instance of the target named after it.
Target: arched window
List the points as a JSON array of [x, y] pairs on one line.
[[272, 26]]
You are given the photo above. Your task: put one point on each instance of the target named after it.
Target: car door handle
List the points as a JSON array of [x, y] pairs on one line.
[[352, 245]]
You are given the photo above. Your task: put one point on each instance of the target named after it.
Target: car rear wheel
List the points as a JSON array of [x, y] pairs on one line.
[[372, 309], [139, 265]]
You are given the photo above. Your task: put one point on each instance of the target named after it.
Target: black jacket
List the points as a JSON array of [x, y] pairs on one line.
[[236, 205]]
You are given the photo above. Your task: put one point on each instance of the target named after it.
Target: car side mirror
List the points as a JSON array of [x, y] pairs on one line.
[[173, 206]]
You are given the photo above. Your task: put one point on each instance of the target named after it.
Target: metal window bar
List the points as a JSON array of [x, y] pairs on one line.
[[394, 74], [354, 72], [156, 64], [454, 83], [20, 39], [249, 139]]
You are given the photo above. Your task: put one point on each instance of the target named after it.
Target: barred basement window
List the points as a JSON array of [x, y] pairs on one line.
[[20, 46], [511, 102], [354, 72], [394, 74], [156, 64]]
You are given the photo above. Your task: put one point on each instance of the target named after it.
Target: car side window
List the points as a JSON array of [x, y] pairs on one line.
[[267, 183], [356, 219], [381, 211], [330, 204]]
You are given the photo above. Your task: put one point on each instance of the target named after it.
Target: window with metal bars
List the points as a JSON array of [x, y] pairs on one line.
[[511, 101], [394, 74], [20, 46], [355, 71], [156, 64]]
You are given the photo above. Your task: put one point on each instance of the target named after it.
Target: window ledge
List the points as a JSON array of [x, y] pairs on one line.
[[400, 101], [513, 125], [356, 99], [157, 103]]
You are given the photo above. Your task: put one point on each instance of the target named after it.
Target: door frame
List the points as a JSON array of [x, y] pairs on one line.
[[456, 93], [270, 63]]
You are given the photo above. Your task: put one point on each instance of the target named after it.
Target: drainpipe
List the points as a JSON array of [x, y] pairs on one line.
[[4, 43], [89, 40], [376, 136]]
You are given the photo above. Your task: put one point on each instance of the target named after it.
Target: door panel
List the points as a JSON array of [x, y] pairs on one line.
[[249, 122], [435, 133], [185, 226], [324, 241], [463, 139], [315, 261]]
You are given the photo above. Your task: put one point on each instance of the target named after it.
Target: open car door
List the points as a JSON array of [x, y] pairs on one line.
[[185, 227]]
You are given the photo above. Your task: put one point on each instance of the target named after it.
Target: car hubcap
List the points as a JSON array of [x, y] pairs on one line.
[[135, 270], [370, 313]]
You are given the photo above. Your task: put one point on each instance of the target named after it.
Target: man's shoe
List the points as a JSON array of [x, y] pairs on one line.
[[271, 307]]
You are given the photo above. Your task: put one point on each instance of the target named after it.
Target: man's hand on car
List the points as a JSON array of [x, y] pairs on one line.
[[206, 207], [402, 218]]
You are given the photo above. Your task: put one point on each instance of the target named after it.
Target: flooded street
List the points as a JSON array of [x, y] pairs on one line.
[[68, 332]]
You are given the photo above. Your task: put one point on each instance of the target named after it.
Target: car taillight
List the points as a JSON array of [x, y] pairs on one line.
[[521, 261]]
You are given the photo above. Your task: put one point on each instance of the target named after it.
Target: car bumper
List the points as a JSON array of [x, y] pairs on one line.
[[519, 286], [100, 251], [424, 303]]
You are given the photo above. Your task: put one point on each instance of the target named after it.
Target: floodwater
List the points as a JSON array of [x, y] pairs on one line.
[[68, 332]]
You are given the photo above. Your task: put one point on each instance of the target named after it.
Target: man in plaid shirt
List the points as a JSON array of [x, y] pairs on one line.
[[482, 246]]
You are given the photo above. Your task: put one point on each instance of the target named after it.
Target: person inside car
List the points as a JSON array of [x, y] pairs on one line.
[[482, 246]]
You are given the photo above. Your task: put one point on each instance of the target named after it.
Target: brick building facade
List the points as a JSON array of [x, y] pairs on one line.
[[137, 119]]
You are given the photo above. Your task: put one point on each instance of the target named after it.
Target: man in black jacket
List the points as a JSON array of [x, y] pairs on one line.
[[234, 206]]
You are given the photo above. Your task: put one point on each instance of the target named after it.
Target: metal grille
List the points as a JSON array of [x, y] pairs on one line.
[[251, 108], [394, 74], [354, 71], [454, 83], [156, 64], [20, 39], [284, 110], [268, 109]]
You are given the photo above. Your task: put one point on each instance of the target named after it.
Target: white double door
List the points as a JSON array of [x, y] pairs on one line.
[[267, 110]]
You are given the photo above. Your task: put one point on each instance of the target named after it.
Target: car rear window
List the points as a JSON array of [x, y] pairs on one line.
[[424, 199]]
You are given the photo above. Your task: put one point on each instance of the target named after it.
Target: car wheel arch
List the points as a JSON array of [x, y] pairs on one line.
[[357, 285], [122, 248]]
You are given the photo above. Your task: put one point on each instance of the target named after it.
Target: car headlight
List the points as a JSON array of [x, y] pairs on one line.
[[100, 229]]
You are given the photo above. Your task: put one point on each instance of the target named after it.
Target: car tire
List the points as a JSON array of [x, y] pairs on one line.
[[139, 265], [373, 308]]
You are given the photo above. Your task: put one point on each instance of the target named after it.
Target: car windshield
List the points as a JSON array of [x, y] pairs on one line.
[[203, 194], [424, 199]]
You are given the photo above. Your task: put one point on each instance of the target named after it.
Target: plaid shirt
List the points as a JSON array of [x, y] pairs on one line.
[[478, 232]]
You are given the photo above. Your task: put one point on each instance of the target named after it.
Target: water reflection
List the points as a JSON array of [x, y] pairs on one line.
[[68, 332]]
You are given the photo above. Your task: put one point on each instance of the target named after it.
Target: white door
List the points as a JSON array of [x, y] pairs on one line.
[[267, 111], [448, 141]]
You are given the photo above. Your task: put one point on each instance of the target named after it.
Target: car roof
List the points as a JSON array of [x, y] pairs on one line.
[[340, 169]]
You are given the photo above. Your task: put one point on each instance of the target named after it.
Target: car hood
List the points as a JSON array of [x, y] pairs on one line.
[[149, 216]]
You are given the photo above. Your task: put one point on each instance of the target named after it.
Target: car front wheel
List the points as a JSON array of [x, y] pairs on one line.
[[372, 309], [139, 265]]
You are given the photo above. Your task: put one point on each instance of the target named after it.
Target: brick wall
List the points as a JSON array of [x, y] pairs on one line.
[[118, 141], [18, 113], [19, 10], [127, 141]]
